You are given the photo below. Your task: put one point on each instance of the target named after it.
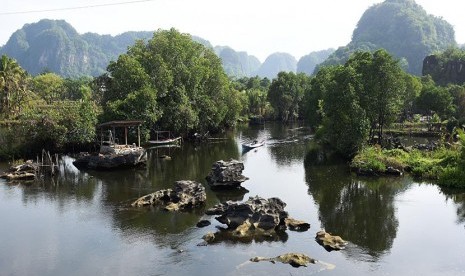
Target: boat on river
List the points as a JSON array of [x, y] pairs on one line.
[[253, 145], [164, 138]]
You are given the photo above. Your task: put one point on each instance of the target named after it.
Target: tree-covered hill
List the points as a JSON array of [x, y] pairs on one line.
[[275, 63], [237, 64], [403, 28], [308, 62], [54, 45]]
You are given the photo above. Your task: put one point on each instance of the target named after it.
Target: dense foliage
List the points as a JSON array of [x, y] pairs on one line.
[[358, 100], [43, 112], [172, 83], [285, 95], [403, 28]]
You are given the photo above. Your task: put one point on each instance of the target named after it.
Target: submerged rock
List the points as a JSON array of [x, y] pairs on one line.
[[226, 174], [294, 259], [330, 242], [203, 223], [185, 194]]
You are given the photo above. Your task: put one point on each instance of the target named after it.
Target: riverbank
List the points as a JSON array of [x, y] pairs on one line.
[[443, 165]]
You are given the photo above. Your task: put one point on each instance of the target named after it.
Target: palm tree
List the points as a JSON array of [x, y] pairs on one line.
[[12, 86]]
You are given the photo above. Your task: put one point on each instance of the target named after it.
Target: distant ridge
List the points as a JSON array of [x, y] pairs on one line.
[[404, 29]]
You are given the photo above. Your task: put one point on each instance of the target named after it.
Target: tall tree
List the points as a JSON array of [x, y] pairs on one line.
[[13, 86], [186, 80], [345, 124], [383, 92], [286, 93]]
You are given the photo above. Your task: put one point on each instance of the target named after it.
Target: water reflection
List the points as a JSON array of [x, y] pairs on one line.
[[360, 210], [458, 197]]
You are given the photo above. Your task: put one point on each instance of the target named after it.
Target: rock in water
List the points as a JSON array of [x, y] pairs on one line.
[[226, 174], [259, 213], [330, 242], [185, 194], [296, 225], [294, 259]]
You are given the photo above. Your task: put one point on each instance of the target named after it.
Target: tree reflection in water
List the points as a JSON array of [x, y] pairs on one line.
[[458, 197], [360, 210]]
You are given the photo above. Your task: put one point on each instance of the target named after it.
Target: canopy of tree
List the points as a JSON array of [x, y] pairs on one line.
[[356, 101], [171, 82]]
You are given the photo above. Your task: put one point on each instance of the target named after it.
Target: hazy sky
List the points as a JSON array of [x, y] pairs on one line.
[[259, 27]]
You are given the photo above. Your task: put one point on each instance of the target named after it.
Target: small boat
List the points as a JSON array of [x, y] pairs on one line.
[[164, 138], [254, 144]]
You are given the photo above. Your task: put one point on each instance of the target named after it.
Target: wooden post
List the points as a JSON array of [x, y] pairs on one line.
[[138, 136], [126, 136], [114, 136]]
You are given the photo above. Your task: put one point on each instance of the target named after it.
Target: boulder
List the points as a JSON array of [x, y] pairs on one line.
[[330, 242], [226, 174], [296, 225], [185, 194]]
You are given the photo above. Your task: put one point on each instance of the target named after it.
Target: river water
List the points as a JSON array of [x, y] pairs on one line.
[[80, 223]]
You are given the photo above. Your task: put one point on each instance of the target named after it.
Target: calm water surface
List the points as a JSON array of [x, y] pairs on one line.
[[80, 223]]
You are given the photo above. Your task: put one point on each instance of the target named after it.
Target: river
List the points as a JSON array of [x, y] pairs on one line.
[[80, 223]]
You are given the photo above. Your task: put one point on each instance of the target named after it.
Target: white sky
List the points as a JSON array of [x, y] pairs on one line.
[[260, 27]]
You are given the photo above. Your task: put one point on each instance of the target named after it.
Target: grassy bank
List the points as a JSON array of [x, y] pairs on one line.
[[444, 165]]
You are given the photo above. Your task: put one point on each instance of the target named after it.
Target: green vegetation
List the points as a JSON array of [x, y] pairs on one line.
[[444, 165], [357, 101], [171, 82]]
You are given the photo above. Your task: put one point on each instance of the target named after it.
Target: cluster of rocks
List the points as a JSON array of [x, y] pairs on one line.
[[25, 171], [256, 218], [253, 218], [370, 172], [185, 194]]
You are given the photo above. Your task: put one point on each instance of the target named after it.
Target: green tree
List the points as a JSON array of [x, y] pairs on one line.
[[13, 87], [345, 124], [186, 79], [286, 93], [382, 95], [434, 99], [49, 86]]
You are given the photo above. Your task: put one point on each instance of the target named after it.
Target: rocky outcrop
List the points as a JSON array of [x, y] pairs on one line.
[[253, 218], [452, 71], [184, 195], [123, 158], [226, 175], [26, 171], [330, 242]]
